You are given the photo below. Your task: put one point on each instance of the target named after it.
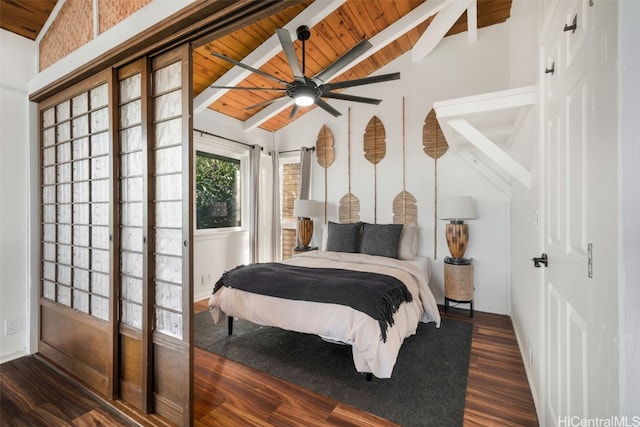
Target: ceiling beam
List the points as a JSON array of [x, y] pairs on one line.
[[436, 31], [403, 25], [472, 21], [310, 16]]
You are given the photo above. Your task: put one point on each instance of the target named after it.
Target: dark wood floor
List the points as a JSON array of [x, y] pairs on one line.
[[229, 394]]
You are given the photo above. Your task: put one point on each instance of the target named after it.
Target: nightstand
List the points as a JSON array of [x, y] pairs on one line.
[[458, 284]]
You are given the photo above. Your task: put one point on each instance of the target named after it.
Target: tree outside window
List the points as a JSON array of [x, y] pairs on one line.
[[217, 191]]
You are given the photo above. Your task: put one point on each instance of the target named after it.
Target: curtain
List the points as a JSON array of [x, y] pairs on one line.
[[305, 173], [276, 242], [254, 201]]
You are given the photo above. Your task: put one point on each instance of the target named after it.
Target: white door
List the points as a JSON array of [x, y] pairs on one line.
[[579, 199]]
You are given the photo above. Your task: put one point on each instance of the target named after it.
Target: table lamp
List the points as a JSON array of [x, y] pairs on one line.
[[304, 210]]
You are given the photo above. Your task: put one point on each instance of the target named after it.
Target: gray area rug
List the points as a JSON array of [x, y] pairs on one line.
[[428, 384]]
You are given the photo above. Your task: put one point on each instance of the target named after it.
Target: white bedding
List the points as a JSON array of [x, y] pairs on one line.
[[337, 322]]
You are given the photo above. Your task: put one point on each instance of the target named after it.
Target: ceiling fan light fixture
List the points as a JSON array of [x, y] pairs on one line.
[[304, 96]]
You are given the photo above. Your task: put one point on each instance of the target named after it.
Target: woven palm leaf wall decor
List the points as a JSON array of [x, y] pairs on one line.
[[375, 148], [325, 154], [405, 208], [349, 207], [434, 145]]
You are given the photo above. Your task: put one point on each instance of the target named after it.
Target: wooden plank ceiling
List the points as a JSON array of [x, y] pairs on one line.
[[345, 24], [331, 37]]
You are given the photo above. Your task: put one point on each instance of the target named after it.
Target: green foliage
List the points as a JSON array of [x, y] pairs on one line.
[[217, 192]]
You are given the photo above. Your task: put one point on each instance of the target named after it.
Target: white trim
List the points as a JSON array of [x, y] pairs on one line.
[[52, 17]]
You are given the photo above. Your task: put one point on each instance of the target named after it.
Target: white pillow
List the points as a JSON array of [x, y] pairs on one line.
[[408, 244]]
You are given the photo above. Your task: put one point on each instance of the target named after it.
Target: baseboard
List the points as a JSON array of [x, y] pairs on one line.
[[14, 355], [527, 368]]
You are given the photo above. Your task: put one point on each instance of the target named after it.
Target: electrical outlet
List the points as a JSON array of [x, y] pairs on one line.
[[11, 326]]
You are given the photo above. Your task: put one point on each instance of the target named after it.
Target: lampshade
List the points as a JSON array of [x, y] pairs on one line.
[[306, 208], [457, 208]]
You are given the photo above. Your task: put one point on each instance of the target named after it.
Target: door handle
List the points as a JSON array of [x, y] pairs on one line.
[[542, 260]]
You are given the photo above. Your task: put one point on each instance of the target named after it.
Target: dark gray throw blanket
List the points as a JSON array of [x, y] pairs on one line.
[[377, 295]]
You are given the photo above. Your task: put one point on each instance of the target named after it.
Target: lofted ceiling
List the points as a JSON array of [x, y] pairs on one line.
[[393, 27]]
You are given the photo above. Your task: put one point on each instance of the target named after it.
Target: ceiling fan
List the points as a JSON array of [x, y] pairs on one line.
[[306, 91]]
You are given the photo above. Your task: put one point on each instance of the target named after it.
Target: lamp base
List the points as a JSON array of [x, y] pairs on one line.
[[305, 231], [457, 261]]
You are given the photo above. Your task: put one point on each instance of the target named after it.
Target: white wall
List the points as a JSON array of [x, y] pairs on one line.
[[454, 69], [17, 66]]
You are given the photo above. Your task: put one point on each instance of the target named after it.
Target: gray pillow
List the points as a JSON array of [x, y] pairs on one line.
[[381, 239], [344, 237]]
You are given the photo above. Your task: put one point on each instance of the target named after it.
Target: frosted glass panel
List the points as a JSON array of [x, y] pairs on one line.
[[131, 114], [48, 137], [81, 192], [131, 239], [49, 213], [169, 187], [99, 96], [131, 189], [81, 170], [169, 269], [131, 264], [64, 193], [81, 301], [81, 214], [48, 194], [63, 132], [63, 111], [64, 274], [131, 139], [81, 148], [49, 290], [80, 104], [100, 167], [168, 105], [169, 214], [49, 175], [131, 214], [100, 260], [100, 120], [100, 214], [64, 254], [100, 237], [131, 289], [64, 172], [169, 160], [100, 191], [81, 279], [130, 88], [168, 77], [64, 234], [49, 271], [100, 307], [80, 257], [100, 284], [169, 323], [100, 144], [49, 252], [169, 296], [64, 295], [169, 242], [64, 214], [80, 126], [132, 164], [49, 156], [49, 232], [169, 133], [132, 314], [48, 117]]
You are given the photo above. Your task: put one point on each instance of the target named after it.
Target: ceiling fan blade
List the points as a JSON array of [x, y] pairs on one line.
[[359, 82], [290, 52], [353, 98], [328, 108], [342, 62], [294, 111], [279, 89], [247, 67], [265, 103]]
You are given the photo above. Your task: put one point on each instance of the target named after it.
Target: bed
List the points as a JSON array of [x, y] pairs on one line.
[[373, 352]]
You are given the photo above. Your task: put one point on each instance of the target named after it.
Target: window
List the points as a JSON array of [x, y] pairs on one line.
[[290, 173], [217, 191]]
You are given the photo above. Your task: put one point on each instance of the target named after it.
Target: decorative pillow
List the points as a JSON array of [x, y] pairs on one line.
[[343, 237], [408, 244], [381, 239]]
